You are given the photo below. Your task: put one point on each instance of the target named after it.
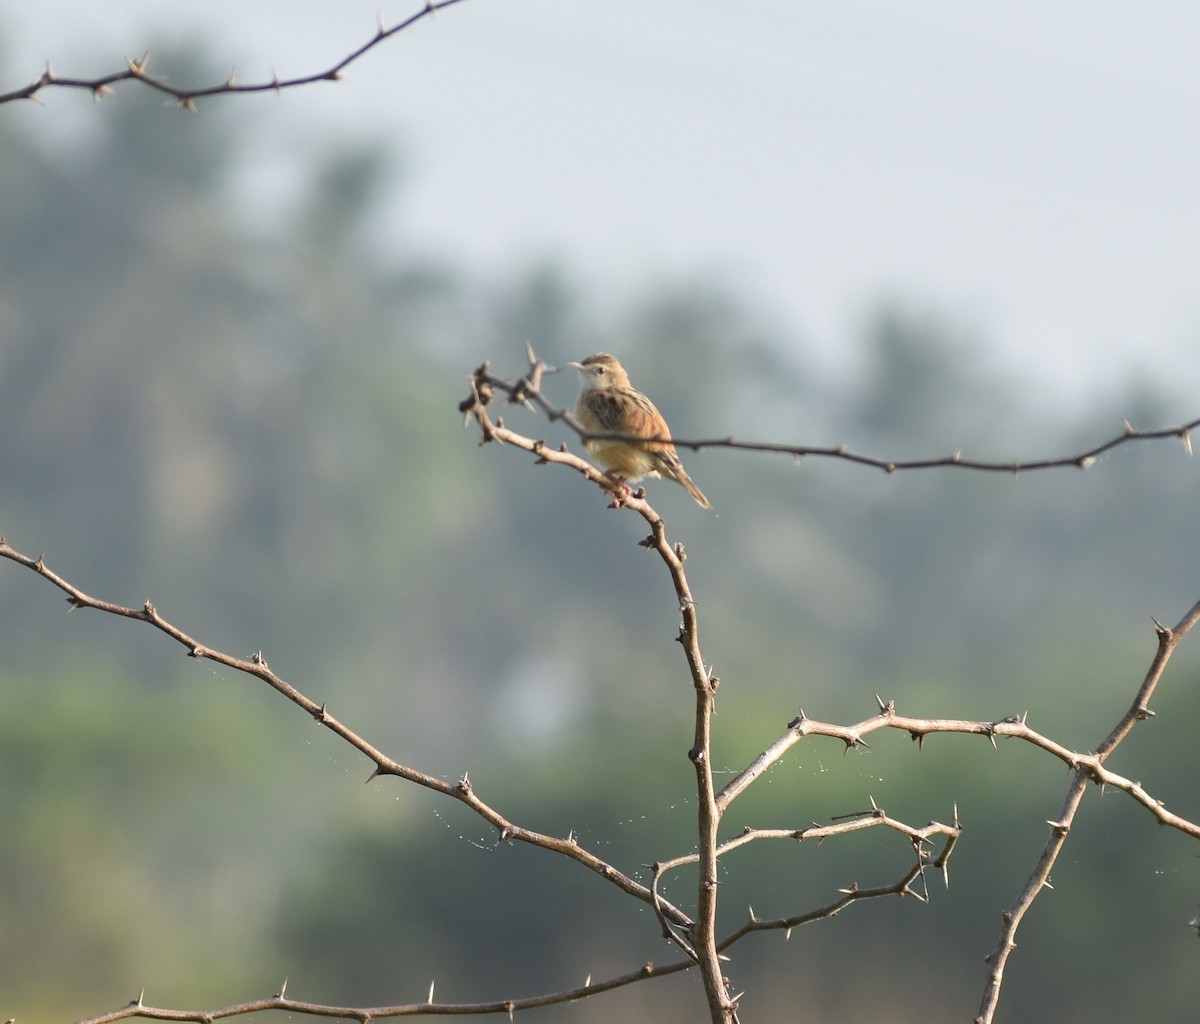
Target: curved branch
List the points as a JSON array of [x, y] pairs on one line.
[[854, 894], [1014, 727], [257, 666], [135, 71], [876, 817], [701, 941]]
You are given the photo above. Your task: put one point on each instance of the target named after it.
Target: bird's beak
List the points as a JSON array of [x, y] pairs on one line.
[[578, 366]]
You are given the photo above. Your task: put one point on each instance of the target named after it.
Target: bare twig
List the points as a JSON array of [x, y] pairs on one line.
[[702, 935], [523, 391], [137, 1008], [1060, 828], [854, 893], [462, 791], [675, 922], [1014, 727], [136, 71], [876, 817]]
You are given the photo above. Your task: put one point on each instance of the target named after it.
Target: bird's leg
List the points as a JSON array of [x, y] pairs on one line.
[[620, 489]]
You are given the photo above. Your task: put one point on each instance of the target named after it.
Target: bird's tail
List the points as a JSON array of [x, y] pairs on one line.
[[694, 491]]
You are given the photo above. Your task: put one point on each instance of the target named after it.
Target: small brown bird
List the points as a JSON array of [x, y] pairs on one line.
[[608, 403]]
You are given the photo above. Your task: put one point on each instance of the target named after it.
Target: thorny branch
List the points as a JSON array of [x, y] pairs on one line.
[[365, 1014], [1015, 727], [701, 942], [462, 791], [674, 920], [526, 391], [697, 936], [1139, 711], [1086, 768], [136, 71]]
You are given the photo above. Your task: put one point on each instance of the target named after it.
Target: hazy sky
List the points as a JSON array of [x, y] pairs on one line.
[[1032, 168]]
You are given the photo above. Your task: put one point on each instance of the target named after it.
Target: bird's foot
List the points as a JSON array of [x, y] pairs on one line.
[[619, 489]]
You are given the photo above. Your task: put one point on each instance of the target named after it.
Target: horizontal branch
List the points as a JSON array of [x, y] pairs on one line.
[[526, 391], [136, 71], [1014, 727], [429, 1008]]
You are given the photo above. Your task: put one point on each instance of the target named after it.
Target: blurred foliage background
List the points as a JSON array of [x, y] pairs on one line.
[[254, 425]]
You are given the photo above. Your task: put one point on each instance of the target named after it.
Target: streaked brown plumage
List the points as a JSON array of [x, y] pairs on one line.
[[608, 403]]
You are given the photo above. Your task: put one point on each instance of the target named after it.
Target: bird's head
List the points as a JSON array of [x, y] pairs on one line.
[[602, 371]]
